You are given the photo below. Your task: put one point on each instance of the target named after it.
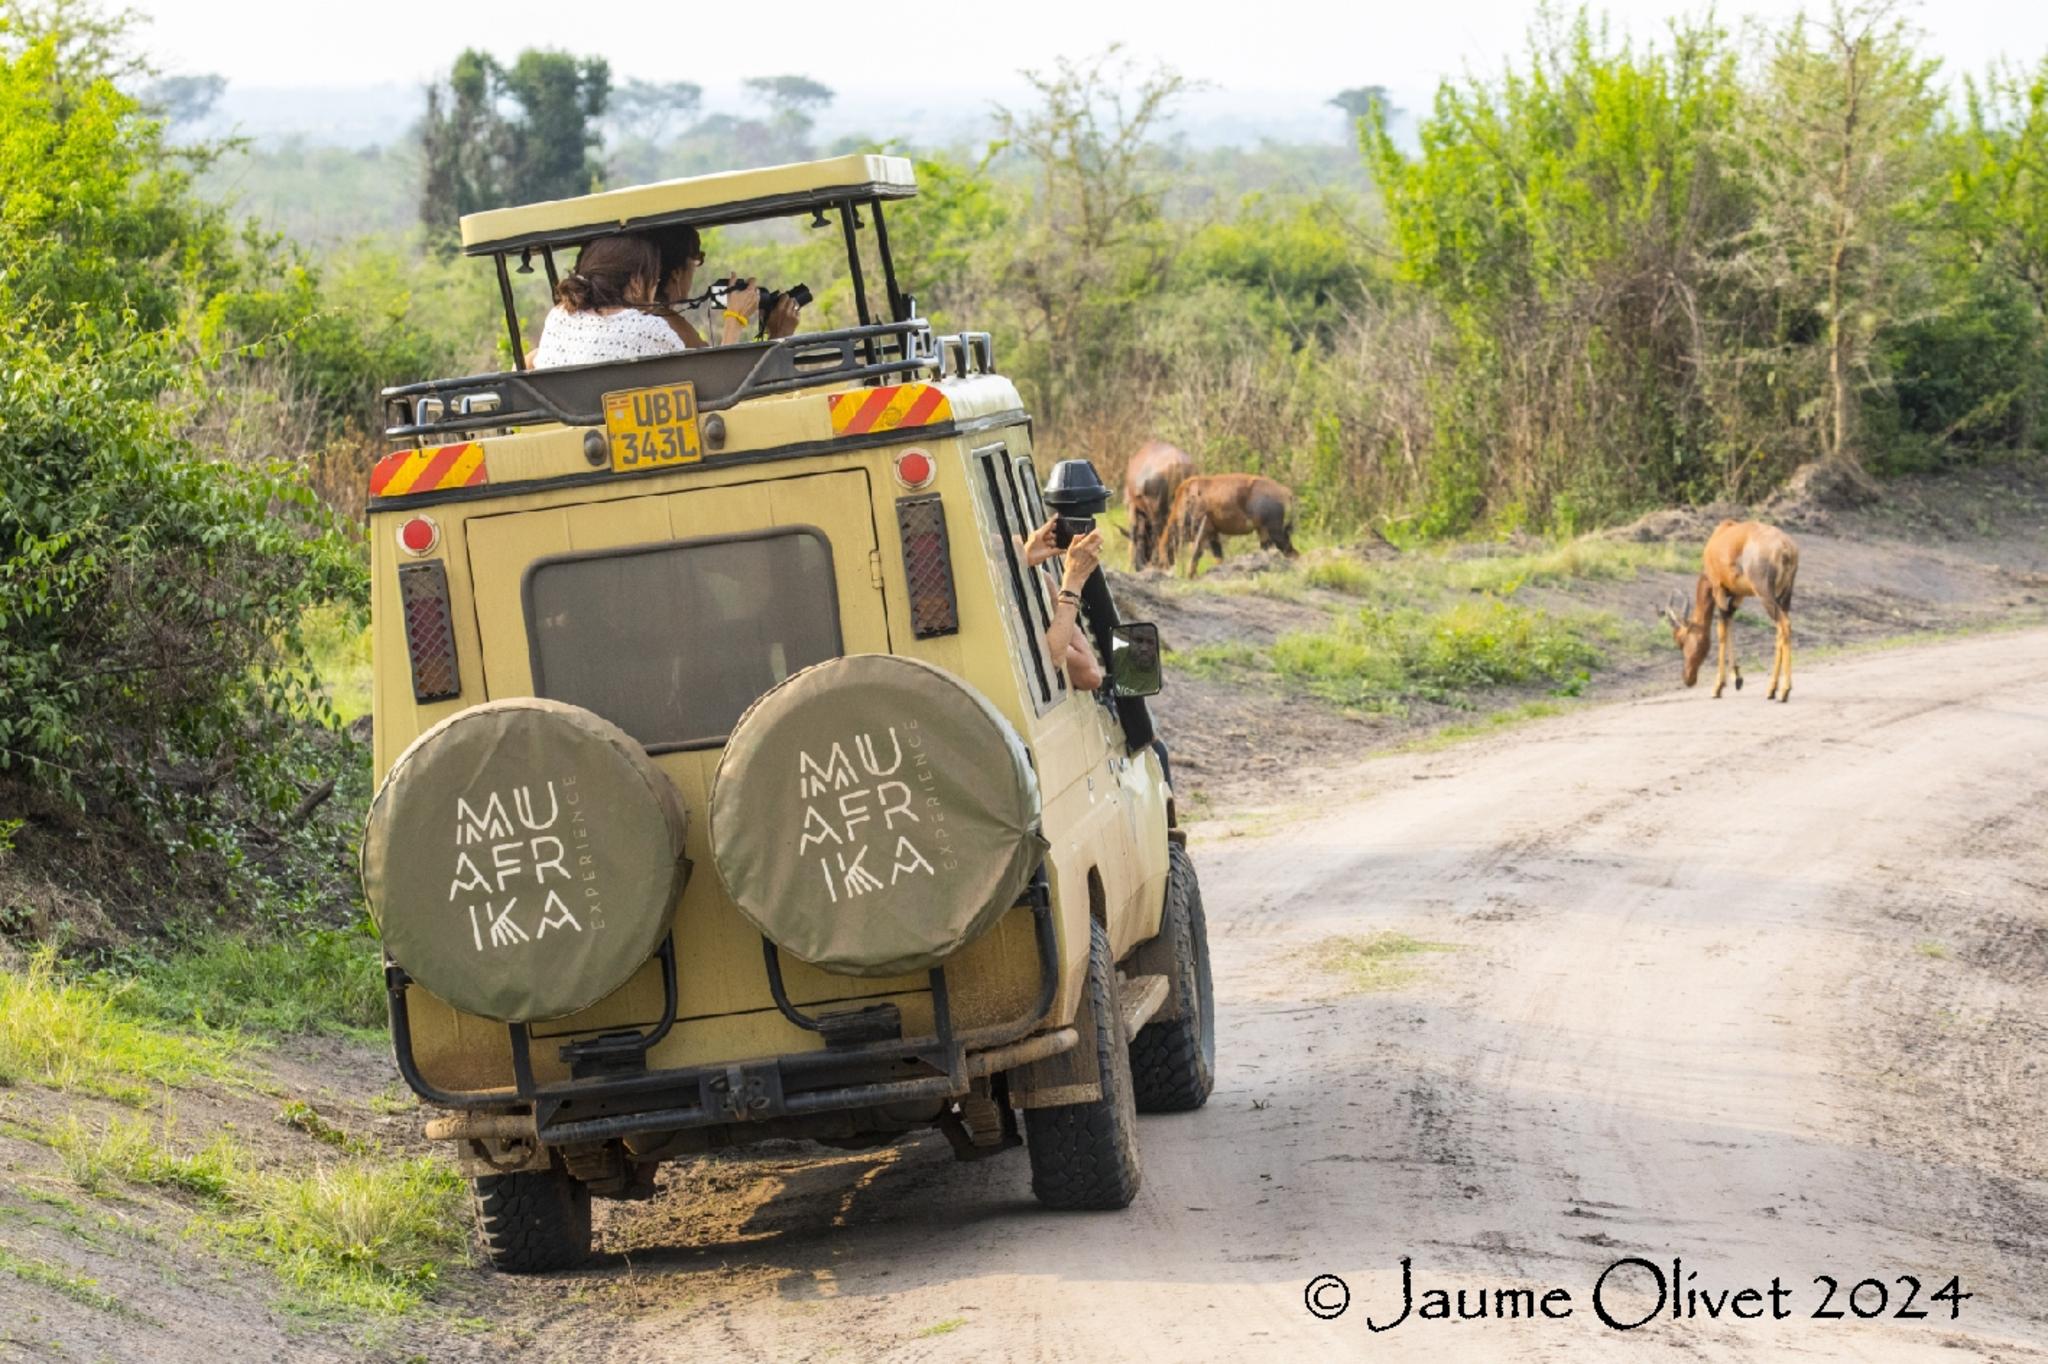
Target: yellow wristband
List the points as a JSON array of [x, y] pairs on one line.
[[740, 318]]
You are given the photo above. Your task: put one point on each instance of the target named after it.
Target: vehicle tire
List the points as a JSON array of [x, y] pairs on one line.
[[1173, 1060], [534, 1222], [1085, 1156]]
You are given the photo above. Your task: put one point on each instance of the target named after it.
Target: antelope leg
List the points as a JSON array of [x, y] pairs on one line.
[[1785, 643]]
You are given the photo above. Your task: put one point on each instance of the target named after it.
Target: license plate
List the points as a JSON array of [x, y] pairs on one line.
[[651, 428]]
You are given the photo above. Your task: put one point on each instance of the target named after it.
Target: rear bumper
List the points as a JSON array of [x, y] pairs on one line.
[[614, 1095]]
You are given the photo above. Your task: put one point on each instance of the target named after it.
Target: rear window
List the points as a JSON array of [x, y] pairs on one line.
[[670, 642]]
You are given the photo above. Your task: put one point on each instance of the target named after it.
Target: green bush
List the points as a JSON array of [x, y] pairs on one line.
[[1378, 659], [150, 599]]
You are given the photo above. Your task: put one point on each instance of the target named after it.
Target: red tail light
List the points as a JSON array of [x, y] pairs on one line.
[[914, 469], [429, 631], [928, 566]]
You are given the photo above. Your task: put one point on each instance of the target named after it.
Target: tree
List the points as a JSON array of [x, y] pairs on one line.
[[1098, 247], [150, 597], [1361, 101], [1998, 188], [496, 135], [651, 110], [1836, 145], [794, 103], [182, 99], [790, 96]]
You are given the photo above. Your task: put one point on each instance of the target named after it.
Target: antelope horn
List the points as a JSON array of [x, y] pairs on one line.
[[1671, 612]]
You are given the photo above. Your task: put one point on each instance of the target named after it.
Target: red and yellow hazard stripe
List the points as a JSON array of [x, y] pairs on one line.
[[888, 408], [427, 471]]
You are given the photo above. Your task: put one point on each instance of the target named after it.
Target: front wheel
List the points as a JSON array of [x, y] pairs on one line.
[[534, 1222], [1173, 1060], [1085, 1156]]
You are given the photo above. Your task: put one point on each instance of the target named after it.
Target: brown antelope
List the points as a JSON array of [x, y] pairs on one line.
[[1742, 559], [1151, 479], [1211, 506]]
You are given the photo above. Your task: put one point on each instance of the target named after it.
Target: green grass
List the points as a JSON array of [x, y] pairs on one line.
[[356, 1236], [300, 1114], [1491, 723], [1376, 961], [73, 1035], [140, 1151], [76, 1287], [1423, 575], [1377, 659], [1588, 559], [362, 1234], [317, 981], [942, 1328], [338, 648]]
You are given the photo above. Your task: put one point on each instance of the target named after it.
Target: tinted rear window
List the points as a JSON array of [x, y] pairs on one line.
[[671, 642]]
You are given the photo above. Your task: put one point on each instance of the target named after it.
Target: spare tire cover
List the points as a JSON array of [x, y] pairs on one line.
[[873, 814], [523, 858]]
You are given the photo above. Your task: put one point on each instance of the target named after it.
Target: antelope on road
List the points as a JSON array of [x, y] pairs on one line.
[[1742, 559]]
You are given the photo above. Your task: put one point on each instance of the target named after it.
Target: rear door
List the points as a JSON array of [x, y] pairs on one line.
[[669, 614]]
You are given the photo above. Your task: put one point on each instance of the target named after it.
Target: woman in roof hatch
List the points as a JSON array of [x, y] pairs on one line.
[[606, 308]]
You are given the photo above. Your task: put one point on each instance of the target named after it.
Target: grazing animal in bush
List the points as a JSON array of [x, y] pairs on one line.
[[1151, 479], [1211, 506], [1742, 559]]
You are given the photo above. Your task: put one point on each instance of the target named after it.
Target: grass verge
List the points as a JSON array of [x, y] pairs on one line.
[[1375, 961], [1376, 660], [74, 1035], [362, 1235], [1421, 575], [317, 981], [56, 1278]]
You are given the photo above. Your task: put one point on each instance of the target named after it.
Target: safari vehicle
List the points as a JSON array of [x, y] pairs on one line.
[[727, 789]]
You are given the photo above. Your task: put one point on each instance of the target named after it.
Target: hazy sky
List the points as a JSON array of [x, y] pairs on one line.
[[865, 48]]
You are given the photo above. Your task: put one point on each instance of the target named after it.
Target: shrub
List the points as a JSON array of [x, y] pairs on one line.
[[150, 600]]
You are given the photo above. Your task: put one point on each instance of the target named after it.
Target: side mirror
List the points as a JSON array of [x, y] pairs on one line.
[[1134, 666]]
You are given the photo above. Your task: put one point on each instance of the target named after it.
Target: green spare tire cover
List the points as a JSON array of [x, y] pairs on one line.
[[523, 858], [873, 814]]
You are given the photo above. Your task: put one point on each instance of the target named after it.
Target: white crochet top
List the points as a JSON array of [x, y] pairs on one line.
[[591, 337]]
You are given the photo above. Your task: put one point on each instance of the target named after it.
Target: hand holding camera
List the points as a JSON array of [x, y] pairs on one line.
[[775, 308]]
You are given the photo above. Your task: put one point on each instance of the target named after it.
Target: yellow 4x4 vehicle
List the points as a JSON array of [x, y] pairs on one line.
[[728, 790]]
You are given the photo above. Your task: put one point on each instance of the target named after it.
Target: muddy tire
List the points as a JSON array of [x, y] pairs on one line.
[[1173, 1060], [534, 1222], [1085, 1156]]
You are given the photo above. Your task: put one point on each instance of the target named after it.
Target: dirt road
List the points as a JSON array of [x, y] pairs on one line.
[[1755, 986]]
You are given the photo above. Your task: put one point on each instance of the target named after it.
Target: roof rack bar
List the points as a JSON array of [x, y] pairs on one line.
[[896, 309], [860, 290], [908, 348], [511, 314]]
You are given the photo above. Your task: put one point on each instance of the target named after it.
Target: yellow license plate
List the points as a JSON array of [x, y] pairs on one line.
[[651, 428]]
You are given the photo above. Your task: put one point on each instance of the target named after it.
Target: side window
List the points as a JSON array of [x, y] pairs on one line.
[[1026, 615]]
